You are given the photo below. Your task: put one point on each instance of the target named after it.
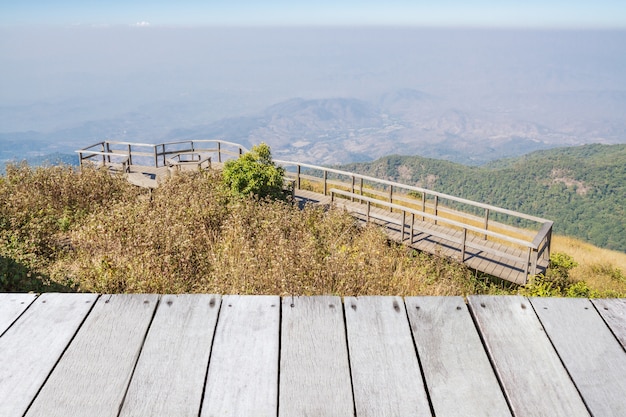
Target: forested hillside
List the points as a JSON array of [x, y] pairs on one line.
[[583, 189]]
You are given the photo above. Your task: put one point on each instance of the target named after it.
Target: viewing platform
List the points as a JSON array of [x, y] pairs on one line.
[[210, 355], [495, 241]]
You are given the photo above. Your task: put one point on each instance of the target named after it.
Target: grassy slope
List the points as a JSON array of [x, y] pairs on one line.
[[601, 269]]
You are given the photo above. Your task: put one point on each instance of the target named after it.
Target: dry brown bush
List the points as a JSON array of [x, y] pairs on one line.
[[193, 236]]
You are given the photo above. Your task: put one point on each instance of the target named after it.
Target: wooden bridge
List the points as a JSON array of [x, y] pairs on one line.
[[495, 241], [210, 355]]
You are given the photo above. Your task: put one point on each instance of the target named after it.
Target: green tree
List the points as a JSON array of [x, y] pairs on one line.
[[254, 173]]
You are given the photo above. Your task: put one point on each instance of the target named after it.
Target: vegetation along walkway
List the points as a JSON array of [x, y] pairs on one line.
[[499, 242], [210, 355]]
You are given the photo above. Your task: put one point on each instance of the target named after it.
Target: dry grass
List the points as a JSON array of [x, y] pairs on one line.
[[194, 236], [601, 269], [89, 231]]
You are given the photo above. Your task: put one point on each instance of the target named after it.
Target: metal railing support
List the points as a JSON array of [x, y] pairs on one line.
[[403, 224], [298, 176], [353, 181], [464, 239], [486, 222], [361, 190]]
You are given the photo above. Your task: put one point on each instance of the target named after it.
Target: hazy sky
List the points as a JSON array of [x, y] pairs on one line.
[[481, 13]]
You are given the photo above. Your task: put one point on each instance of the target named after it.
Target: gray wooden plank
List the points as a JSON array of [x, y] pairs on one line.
[[593, 357], [613, 311], [171, 370], [11, 306], [386, 376], [314, 366], [243, 370], [92, 376], [31, 347], [459, 377], [529, 369]]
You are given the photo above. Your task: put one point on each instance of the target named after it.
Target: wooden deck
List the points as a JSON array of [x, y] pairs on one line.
[[210, 355]]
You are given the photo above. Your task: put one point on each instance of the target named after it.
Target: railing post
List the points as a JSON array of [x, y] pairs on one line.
[[352, 197], [412, 226], [548, 243], [391, 197], [463, 245], [298, 175], [486, 222], [423, 205], [368, 210], [527, 265], [436, 207], [103, 150], [361, 190], [219, 152], [403, 225], [156, 157], [325, 182], [534, 262], [130, 156], [108, 147], [332, 196]]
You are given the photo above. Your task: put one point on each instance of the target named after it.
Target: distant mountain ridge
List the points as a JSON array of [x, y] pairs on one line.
[[336, 130], [583, 188]]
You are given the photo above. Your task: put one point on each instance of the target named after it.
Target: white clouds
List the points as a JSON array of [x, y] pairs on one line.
[[142, 24]]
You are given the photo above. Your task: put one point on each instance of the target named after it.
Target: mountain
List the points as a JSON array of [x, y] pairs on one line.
[[405, 121], [583, 188], [336, 130]]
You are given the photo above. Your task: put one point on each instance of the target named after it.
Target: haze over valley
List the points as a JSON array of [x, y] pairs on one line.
[[323, 95]]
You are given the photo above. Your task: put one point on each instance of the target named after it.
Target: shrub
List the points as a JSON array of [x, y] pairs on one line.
[[254, 173]]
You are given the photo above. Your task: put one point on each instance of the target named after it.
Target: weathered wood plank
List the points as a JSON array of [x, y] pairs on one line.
[[386, 376], [243, 370], [314, 367], [92, 376], [170, 374], [32, 346], [593, 357], [529, 369], [460, 379], [11, 306], [613, 312]]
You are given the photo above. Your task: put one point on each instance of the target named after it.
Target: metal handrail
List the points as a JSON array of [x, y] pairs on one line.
[[417, 189]]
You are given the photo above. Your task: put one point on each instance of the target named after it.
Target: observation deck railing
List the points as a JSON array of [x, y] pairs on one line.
[[509, 235]]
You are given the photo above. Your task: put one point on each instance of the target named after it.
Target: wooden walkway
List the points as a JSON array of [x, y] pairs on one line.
[[438, 240], [210, 355]]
